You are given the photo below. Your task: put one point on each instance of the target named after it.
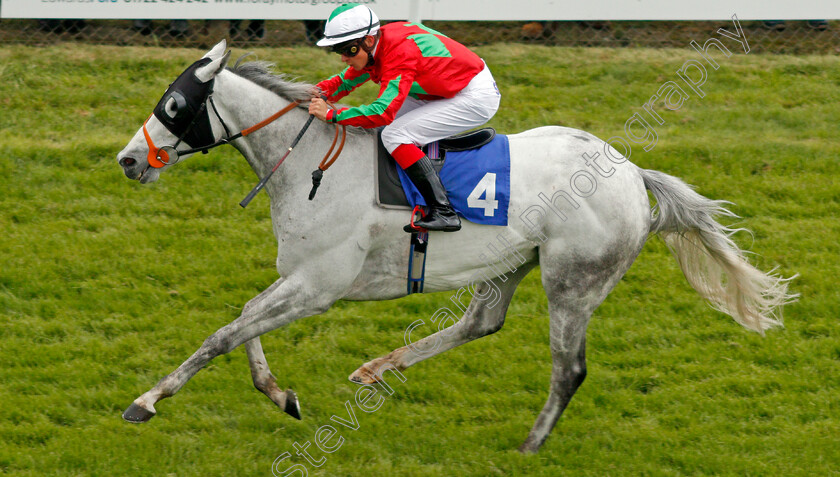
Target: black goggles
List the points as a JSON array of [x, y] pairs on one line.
[[348, 48]]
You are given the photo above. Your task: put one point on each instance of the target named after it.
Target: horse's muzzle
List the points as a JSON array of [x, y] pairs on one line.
[[135, 170], [131, 168]]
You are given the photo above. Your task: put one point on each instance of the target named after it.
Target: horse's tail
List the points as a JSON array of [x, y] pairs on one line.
[[711, 262]]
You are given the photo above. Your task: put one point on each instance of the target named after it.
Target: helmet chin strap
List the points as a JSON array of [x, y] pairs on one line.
[[369, 51]]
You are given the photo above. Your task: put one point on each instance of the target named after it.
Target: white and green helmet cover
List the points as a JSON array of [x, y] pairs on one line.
[[349, 22]]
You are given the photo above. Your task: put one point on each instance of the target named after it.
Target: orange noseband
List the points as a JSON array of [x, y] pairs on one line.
[[157, 157]]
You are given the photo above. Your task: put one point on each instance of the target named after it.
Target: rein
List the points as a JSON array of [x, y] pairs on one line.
[[167, 155], [318, 174]]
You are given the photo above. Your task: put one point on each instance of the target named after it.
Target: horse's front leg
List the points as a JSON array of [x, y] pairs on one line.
[[261, 375], [266, 383], [284, 302]]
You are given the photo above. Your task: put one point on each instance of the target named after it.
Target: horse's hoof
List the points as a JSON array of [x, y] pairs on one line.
[[363, 376], [530, 446], [292, 404], [137, 414], [527, 449]]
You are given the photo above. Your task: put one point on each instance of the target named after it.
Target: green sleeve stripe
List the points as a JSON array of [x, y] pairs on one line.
[[350, 85], [416, 90], [430, 46], [378, 107], [339, 76], [426, 29]]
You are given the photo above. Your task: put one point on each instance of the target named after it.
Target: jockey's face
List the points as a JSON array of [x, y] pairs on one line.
[[359, 61]]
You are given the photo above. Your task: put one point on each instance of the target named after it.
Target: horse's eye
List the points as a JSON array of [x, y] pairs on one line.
[[171, 107], [175, 106]]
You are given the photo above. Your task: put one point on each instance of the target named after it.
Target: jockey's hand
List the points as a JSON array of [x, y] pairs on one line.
[[318, 108]]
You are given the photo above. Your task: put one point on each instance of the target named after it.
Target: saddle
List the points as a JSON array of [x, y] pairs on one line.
[[389, 192]]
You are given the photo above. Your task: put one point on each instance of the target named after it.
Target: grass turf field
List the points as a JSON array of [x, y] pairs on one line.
[[107, 285]]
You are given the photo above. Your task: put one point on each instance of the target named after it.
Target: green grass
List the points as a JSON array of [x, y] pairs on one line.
[[107, 285]]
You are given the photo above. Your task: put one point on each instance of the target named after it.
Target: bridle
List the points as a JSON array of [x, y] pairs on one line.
[[159, 157], [168, 155]]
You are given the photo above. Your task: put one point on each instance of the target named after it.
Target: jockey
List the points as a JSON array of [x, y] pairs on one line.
[[430, 87]]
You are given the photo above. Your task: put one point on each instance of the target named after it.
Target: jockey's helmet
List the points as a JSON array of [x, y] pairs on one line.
[[349, 22]]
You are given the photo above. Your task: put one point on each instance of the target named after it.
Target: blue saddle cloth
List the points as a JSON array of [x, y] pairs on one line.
[[477, 180]]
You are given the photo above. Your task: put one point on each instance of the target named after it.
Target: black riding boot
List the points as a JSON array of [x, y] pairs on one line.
[[441, 215]]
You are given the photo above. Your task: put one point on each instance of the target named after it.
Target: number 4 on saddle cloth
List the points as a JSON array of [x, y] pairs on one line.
[[474, 167]]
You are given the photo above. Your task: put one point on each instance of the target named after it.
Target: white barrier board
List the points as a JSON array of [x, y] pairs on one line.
[[427, 9]]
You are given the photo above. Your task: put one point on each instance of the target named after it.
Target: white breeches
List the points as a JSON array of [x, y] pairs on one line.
[[421, 122]]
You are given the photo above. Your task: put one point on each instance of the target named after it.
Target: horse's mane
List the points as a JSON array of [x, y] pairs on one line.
[[260, 72]]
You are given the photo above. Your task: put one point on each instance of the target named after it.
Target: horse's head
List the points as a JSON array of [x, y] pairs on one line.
[[181, 121]]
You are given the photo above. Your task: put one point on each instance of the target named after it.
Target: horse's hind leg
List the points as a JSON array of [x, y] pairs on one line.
[[574, 289], [568, 343], [485, 315]]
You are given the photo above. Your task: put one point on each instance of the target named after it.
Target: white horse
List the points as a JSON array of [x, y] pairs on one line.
[[577, 208]]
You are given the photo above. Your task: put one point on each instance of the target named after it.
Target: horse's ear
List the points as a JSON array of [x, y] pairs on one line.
[[217, 51], [218, 63]]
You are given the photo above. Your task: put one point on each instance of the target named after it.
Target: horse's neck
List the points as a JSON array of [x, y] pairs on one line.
[[244, 104]]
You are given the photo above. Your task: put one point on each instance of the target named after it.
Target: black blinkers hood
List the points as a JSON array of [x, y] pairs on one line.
[[182, 109]]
